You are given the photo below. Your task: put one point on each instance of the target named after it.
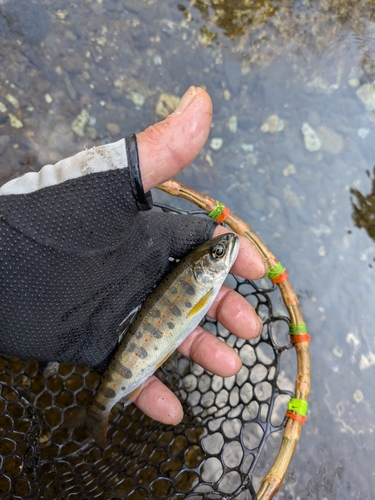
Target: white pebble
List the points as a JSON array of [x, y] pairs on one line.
[[233, 124], [311, 139], [363, 132], [216, 143]]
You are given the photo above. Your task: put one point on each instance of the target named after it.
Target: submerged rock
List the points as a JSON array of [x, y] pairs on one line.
[[4, 141], [216, 143], [79, 123], [332, 142], [311, 138], [26, 19], [272, 125], [166, 104], [14, 121], [366, 94], [233, 124]]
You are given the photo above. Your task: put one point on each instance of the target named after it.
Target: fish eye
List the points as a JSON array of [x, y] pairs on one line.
[[218, 251]]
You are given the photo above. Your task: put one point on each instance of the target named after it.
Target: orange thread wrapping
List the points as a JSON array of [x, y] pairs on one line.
[[303, 337], [223, 216], [279, 279], [296, 417]]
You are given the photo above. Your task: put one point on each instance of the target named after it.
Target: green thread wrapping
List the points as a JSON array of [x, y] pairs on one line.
[[217, 211], [298, 406], [297, 328], [275, 271]]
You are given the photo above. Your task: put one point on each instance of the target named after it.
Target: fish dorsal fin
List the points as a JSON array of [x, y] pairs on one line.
[[125, 323], [200, 304]]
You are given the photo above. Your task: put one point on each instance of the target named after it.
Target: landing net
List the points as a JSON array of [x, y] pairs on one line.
[[232, 432]]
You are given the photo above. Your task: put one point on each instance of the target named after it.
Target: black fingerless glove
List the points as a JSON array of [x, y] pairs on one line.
[[79, 250]]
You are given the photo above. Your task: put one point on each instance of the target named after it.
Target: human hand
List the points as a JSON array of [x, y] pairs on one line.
[[71, 247], [164, 150]]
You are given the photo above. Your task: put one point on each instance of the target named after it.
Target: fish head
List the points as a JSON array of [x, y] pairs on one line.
[[213, 260]]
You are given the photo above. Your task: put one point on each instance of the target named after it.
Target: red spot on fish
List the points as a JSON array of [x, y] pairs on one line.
[[146, 340]]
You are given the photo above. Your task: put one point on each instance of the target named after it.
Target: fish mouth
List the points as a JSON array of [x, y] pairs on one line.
[[233, 245]]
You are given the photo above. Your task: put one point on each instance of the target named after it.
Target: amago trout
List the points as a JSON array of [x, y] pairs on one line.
[[166, 318]]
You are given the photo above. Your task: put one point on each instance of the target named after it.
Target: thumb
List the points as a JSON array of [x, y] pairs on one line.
[[170, 145]]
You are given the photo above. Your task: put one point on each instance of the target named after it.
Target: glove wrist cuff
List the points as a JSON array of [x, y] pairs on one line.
[[144, 200]]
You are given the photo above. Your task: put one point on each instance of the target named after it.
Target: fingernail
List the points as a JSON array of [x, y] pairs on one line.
[[186, 99]]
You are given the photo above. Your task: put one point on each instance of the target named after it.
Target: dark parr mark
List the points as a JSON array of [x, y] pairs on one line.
[[188, 304], [123, 370], [155, 313], [188, 288], [154, 331], [176, 311], [109, 393], [126, 373], [99, 405], [170, 325], [140, 351]]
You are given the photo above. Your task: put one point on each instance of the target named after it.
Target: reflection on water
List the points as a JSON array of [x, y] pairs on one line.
[[364, 209], [293, 132], [232, 18]]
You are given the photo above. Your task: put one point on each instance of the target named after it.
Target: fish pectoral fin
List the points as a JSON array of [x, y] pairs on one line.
[[200, 304]]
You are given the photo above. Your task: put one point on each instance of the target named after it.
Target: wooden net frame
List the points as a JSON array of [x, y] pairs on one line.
[[275, 475]]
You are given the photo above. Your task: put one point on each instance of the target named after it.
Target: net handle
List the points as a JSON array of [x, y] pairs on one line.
[[296, 413]]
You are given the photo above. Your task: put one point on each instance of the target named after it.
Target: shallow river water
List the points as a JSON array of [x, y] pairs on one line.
[[291, 151]]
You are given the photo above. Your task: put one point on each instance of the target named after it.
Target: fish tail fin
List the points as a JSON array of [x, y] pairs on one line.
[[97, 424]]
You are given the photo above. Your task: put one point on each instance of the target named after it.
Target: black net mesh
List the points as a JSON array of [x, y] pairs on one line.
[[216, 452]]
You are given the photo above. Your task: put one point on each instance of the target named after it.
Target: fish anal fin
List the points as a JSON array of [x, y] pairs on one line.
[[200, 304]]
